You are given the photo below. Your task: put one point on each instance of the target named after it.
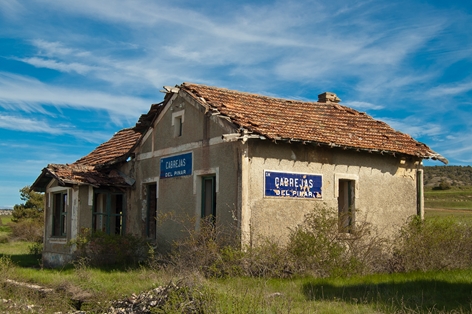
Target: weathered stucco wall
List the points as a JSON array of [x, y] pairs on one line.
[[56, 249], [179, 198], [385, 189]]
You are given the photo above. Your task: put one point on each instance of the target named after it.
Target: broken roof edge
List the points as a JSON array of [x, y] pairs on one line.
[[42, 181], [117, 159], [433, 155]]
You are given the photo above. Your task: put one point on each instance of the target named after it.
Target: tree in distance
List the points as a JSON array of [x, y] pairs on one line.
[[32, 208]]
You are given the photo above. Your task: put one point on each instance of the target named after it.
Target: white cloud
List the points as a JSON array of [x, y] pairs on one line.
[[30, 95], [27, 125], [23, 124], [51, 48], [450, 89], [362, 105], [60, 66], [414, 126]]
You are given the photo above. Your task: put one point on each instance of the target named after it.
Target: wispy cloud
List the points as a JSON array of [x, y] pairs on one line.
[[27, 125], [451, 89], [30, 95], [60, 66], [414, 126], [362, 105], [23, 124]]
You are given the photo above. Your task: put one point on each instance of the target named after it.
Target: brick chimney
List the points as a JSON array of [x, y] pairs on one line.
[[328, 97]]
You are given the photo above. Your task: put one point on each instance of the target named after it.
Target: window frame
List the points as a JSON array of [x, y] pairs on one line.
[[59, 213], [151, 213], [346, 206], [178, 119], [212, 179], [107, 213]]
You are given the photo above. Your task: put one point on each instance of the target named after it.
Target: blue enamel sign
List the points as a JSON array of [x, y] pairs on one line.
[[176, 166], [293, 185]]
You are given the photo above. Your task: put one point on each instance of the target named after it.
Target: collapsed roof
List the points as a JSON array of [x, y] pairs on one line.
[[93, 169]]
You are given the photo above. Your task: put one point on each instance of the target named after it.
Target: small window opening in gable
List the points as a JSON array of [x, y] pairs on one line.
[[178, 123]]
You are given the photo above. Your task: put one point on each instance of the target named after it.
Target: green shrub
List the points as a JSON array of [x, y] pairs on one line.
[[27, 230], [269, 259], [101, 249], [36, 248], [315, 247], [433, 244], [5, 265], [319, 248], [210, 250]]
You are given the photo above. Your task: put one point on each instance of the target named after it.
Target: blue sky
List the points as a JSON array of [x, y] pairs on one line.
[[74, 72]]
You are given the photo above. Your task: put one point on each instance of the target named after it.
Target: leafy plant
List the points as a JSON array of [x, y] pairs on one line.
[[102, 249], [319, 248], [434, 244]]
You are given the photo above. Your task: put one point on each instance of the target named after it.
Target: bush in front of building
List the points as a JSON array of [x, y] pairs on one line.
[[321, 247], [101, 249], [315, 247], [437, 243]]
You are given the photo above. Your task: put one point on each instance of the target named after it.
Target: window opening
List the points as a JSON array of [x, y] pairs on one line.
[[419, 194], [108, 213], [151, 226], [178, 126], [178, 122], [59, 223], [209, 197], [346, 210]]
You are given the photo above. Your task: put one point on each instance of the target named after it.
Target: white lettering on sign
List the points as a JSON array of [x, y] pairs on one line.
[[175, 163], [293, 183]]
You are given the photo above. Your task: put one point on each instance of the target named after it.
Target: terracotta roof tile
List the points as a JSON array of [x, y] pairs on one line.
[[324, 123], [115, 148], [81, 174], [90, 169]]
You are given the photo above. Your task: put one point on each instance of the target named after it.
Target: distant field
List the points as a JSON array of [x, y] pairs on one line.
[[4, 228], [454, 198]]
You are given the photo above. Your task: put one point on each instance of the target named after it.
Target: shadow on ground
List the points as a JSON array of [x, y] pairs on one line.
[[25, 260], [418, 296]]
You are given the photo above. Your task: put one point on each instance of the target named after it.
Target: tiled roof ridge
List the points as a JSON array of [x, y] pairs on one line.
[[278, 98], [325, 123]]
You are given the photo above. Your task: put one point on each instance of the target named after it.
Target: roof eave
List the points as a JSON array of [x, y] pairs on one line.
[[433, 155]]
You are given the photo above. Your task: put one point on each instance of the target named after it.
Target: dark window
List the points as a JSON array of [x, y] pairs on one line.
[[151, 210], [209, 197], [59, 223], [346, 210], [108, 212]]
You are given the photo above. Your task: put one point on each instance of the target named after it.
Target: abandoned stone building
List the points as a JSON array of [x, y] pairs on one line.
[[256, 164]]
